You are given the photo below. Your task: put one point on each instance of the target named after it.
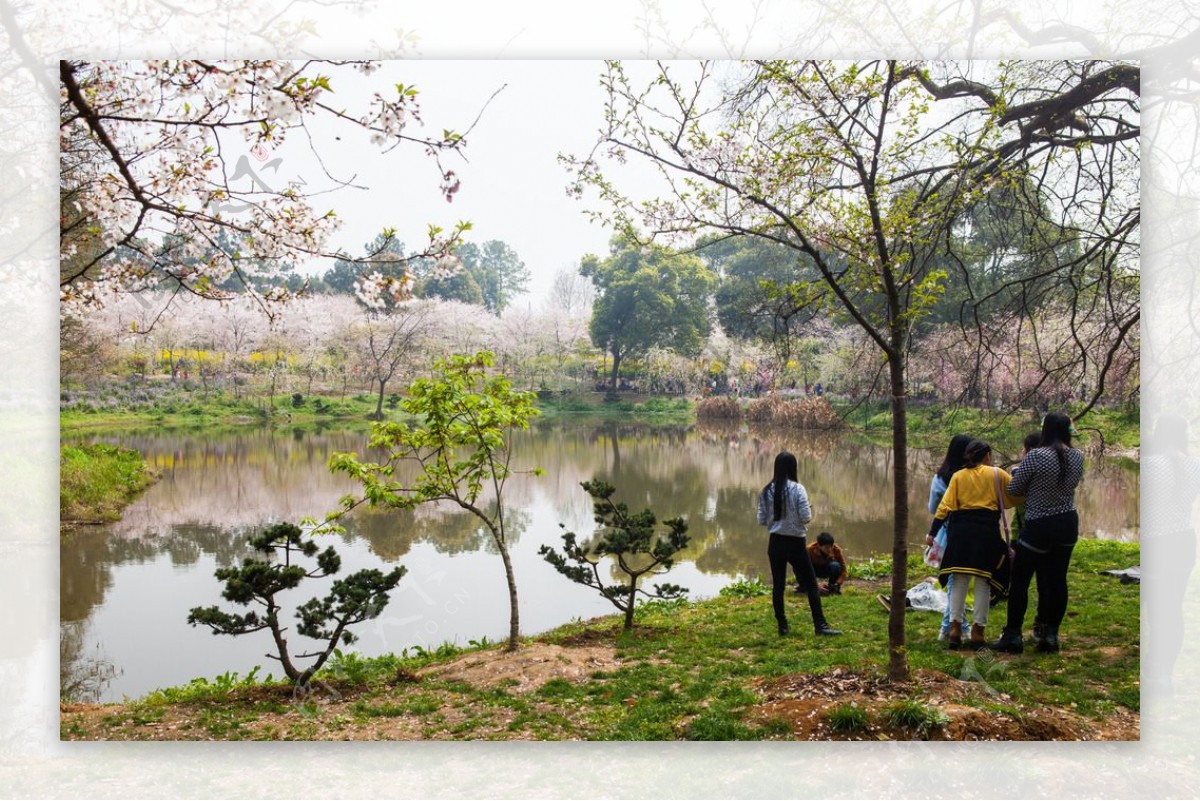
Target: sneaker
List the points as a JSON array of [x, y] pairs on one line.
[[783, 629], [943, 634], [826, 630], [835, 589]]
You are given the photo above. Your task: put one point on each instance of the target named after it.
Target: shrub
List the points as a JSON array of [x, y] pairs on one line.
[[631, 539], [719, 409], [804, 413], [358, 597]]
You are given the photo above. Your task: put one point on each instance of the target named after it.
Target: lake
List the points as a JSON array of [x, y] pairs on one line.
[[126, 588]]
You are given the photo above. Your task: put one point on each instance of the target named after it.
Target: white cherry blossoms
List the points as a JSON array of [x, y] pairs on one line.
[[169, 197]]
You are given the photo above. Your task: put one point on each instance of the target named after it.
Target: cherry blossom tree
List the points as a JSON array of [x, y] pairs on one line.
[[158, 190], [867, 168]]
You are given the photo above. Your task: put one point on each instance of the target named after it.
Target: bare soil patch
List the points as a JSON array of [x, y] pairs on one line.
[[805, 701], [528, 668]]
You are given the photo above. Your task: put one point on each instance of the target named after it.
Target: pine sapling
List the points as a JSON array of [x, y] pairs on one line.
[[358, 597], [631, 539]]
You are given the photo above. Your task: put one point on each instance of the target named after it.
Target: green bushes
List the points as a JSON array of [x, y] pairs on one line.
[[97, 481]]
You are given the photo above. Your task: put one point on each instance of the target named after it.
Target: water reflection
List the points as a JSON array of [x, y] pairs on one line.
[[126, 588]]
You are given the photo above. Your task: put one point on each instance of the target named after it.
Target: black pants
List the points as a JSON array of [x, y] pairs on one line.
[[782, 551], [1051, 571]]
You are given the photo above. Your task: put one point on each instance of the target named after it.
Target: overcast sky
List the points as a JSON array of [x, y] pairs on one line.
[[513, 188]]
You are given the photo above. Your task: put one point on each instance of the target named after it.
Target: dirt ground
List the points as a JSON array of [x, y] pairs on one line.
[[802, 701], [527, 669], [805, 700]]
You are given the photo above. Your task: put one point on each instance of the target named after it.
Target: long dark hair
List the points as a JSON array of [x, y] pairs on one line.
[[785, 470], [976, 451], [1056, 434], [954, 457]]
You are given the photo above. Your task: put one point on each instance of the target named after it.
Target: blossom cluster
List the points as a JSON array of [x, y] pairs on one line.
[[166, 189]]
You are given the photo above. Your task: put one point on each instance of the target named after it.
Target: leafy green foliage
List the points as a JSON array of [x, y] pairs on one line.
[[631, 540], [358, 597], [745, 588], [648, 297], [460, 447]]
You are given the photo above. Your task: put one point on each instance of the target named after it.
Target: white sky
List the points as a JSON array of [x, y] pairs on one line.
[[513, 187]]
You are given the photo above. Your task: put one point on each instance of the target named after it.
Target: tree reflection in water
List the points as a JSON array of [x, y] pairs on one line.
[[217, 486]]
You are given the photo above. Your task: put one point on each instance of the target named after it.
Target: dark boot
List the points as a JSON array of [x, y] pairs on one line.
[[783, 628], [1009, 643], [1039, 632], [823, 629], [1049, 643], [955, 636]]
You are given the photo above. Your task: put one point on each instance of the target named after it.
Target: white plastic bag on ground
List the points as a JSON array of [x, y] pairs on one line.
[[928, 596]]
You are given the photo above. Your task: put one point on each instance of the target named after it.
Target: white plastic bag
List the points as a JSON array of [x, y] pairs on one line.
[[927, 597]]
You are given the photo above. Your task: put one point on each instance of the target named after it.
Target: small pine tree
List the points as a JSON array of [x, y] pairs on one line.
[[628, 538], [353, 599]]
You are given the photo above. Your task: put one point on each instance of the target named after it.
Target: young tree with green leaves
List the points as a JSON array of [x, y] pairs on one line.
[[354, 599], [461, 447], [631, 540], [866, 168], [648, 297]]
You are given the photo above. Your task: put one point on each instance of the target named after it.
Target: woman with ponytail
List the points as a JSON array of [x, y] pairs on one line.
[[1047, 477], [783, 508]]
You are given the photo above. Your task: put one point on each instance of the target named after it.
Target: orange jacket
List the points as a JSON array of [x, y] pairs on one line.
[[819, 559]]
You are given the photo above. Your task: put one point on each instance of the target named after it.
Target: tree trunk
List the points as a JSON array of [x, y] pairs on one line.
[[616, 367], [629, 605], [514, 619], [379, 402], [897, 651]]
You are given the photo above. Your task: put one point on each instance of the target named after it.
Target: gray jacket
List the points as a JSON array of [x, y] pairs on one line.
[[796, 511]]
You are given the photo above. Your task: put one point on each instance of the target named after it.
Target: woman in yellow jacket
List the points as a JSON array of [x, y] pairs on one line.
[[975, 547]]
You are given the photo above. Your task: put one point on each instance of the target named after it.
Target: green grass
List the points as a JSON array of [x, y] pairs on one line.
[[913, 715], [189, 410], [847, 718], [654, 410], [98, 481], [931, 426], [695, 671]]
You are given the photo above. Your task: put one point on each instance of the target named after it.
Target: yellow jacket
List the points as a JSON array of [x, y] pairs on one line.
[[975, 488]]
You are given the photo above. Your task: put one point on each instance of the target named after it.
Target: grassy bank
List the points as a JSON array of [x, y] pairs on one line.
[[97, 481], [192, 410], [711, 670], [932, 426], [678, 411], [929, 426]]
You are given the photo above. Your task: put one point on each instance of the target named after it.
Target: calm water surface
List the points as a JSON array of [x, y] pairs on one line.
[[126, 588]]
